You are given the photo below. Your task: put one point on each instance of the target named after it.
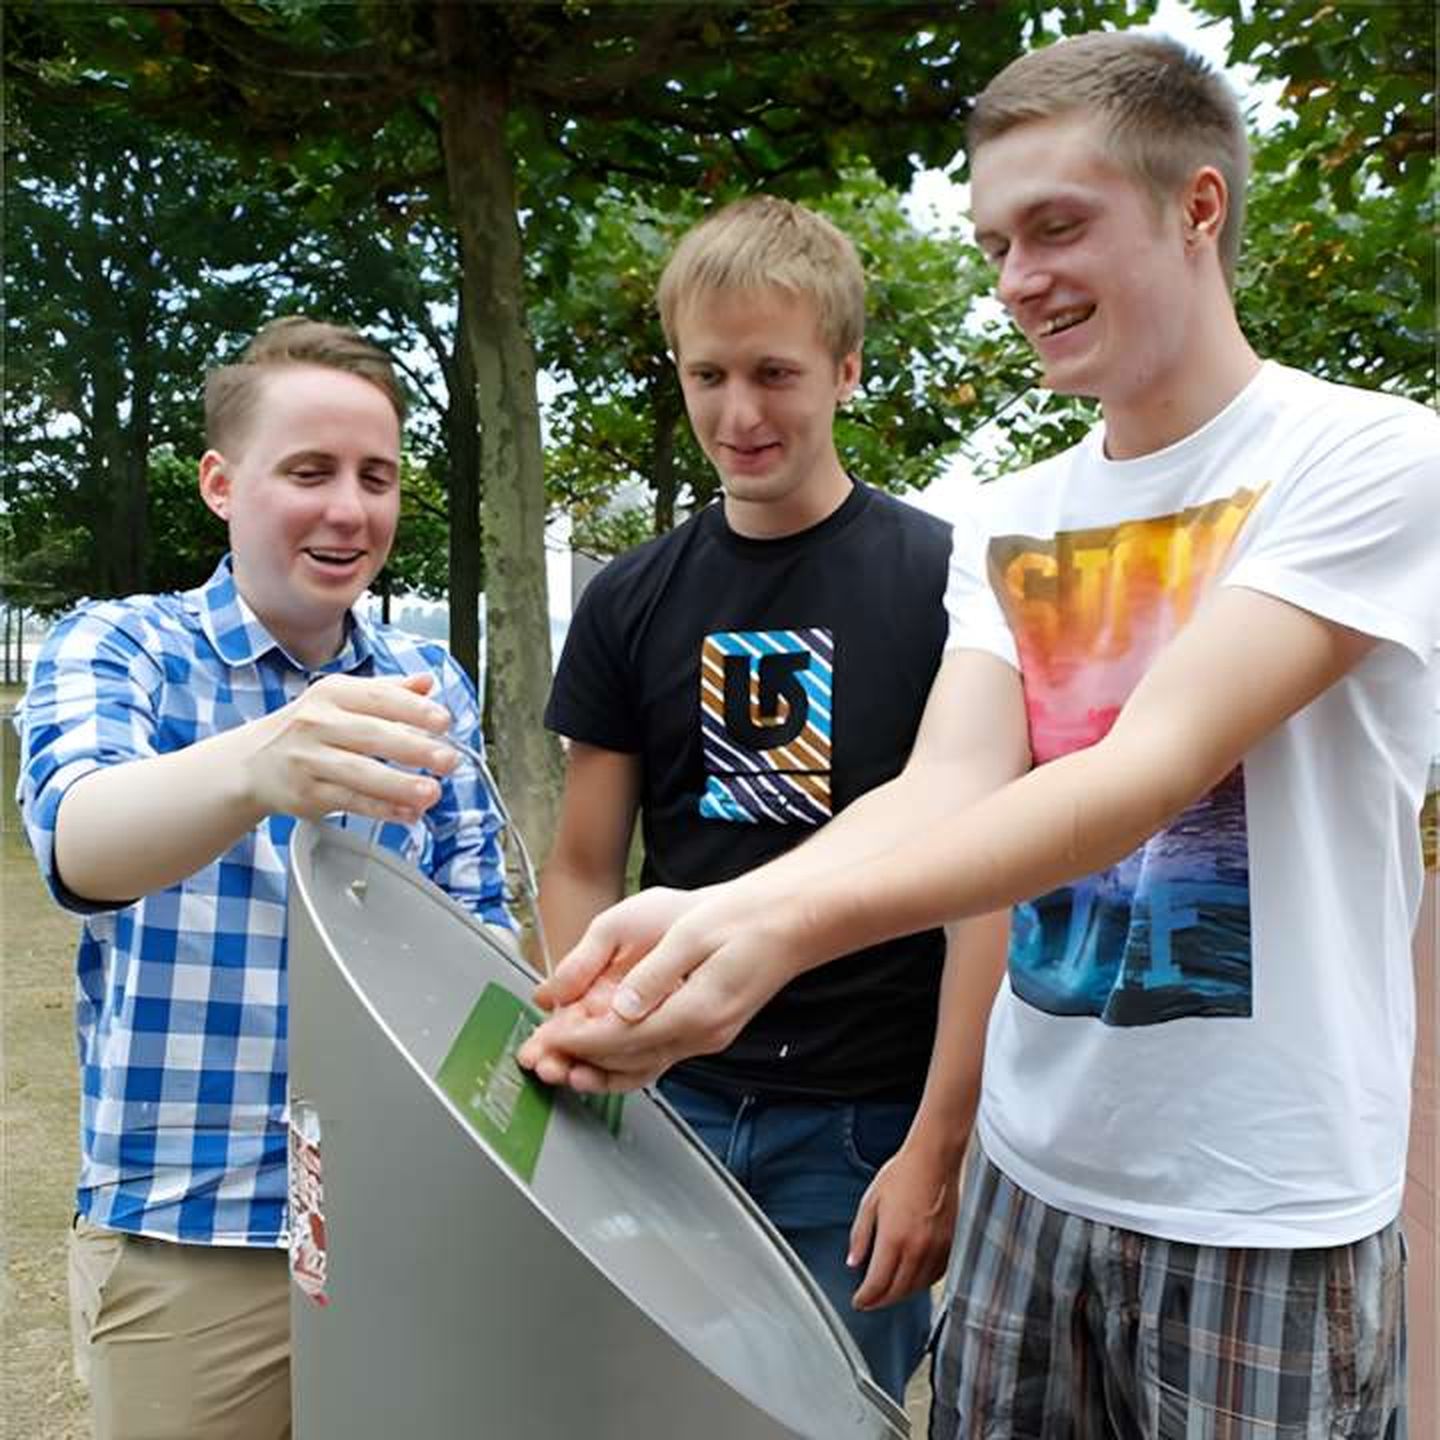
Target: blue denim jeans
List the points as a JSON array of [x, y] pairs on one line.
[[806, 1164]]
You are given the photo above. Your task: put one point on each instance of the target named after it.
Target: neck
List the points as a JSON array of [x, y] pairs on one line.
[[312, 644], [816, 500], [1216, 364]]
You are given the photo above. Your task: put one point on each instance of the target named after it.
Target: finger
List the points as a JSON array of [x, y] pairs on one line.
[[401, 698], [880, 1274], [579, 970], [369, 787], [602, 1043], [862, 1232], [658, 975], [590, 1080]]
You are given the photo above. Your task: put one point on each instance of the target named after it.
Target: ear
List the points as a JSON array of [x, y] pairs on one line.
[[1206, 202], [848, 379], [215, 483]]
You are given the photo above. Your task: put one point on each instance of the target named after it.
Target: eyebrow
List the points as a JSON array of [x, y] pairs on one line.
[[700, 363], [326, 457], [1034, 208]]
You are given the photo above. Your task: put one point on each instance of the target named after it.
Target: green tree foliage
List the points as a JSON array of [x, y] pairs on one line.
[[456, 103], [1339, 273]]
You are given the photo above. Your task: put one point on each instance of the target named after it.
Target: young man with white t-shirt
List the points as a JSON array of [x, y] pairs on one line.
[[1183, 726]]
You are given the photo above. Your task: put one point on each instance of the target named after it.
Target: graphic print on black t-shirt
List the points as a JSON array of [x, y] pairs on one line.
[[765, 710], [1165, 933]]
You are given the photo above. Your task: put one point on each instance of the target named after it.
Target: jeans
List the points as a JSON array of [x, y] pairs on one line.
[[807, 1164]]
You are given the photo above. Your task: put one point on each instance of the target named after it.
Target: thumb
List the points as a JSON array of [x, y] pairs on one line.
[[862, 1232], [579, 970], [662, 972]]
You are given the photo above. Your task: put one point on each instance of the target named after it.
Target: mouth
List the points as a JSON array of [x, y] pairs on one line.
[[336, 559], [1064, 320]]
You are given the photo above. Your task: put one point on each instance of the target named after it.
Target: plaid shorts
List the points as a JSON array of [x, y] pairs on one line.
[[1059, 1328]]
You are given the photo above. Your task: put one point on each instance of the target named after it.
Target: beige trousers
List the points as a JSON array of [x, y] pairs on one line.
[[180, 1342]]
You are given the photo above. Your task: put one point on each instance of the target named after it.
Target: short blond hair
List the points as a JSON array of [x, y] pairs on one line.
[[1166, 110], [764, 241], [233, 391]]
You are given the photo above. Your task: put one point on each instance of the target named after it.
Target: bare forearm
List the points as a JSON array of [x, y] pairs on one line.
[[872, 826], [1072, 817], [974, 964], [346, 744], [131, 829], [570, 899]]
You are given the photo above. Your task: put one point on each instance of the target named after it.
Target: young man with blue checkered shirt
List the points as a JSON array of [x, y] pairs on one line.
[[169, 744]]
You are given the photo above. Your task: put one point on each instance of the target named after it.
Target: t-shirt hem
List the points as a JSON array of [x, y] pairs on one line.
[[1196, 1227]]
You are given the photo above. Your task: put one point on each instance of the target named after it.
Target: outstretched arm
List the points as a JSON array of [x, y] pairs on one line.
[[1241, 668], [972, 737], [131, 828]]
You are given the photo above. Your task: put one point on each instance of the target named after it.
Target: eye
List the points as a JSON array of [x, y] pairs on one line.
[[705, 377], [377, 480], [994, 253], [775, 374], [309, 474], [1059, 229]]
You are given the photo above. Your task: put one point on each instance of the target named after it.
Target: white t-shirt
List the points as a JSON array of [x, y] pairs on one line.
[[1211, 1041]]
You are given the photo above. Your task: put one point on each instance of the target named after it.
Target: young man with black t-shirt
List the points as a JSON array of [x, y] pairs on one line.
[[737, 682]]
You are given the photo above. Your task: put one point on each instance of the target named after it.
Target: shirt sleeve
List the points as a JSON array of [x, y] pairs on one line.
[[1354, 535], [592, 698], [90, 704], [466, 860], [976, 620]]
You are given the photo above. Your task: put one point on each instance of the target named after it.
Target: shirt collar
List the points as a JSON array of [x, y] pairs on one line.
[[240, 638]]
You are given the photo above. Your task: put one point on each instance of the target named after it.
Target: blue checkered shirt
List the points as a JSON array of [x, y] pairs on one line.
[[181, 996]]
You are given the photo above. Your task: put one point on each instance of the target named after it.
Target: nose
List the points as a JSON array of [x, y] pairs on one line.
[[739, 411], [1020, 278], [345, 503]]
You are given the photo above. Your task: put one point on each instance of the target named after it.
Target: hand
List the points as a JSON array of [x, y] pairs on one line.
[[906, 1222], [326, 750], [613, 941], [713, 969]]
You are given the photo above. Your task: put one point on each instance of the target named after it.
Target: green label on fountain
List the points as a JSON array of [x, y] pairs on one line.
[[506, 1105]]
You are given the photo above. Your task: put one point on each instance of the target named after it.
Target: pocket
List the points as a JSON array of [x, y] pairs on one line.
[[874, 1131], [93, 1257]]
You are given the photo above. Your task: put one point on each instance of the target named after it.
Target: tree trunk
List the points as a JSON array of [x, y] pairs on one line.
[[666, 408], [462, 434], [473, 106]]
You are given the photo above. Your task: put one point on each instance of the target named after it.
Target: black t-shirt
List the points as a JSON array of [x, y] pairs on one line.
[[765, 684]]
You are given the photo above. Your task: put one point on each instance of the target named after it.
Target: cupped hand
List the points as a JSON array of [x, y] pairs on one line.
[[691, 994]]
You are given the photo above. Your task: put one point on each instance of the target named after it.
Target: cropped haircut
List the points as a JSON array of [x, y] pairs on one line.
[[233, 391], [1167, 113], [764, 241]]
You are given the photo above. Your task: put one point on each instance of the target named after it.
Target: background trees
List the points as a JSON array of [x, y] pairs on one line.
[[491, 189]]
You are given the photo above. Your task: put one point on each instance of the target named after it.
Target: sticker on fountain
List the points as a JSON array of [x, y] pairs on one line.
[[307, 1203], [505, 1105]]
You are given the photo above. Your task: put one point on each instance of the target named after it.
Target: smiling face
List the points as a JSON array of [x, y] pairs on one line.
[[761, 389], [1089, 265], [310, 490]]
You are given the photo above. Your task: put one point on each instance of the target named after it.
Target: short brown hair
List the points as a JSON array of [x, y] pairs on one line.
[[232, 391], [762, 241], [1168, 112]]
